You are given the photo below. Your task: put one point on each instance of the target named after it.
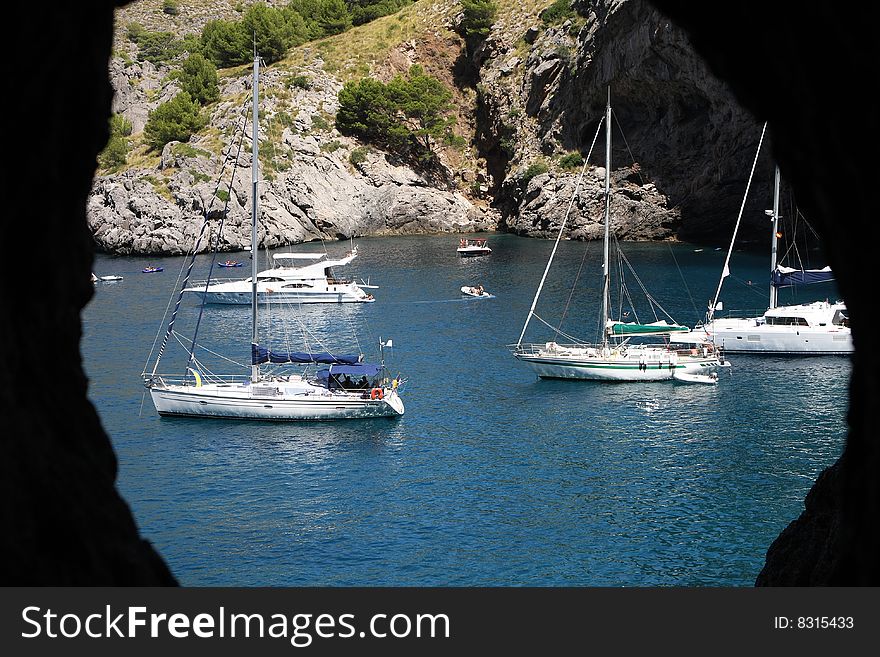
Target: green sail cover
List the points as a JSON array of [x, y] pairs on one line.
[[657, 328]]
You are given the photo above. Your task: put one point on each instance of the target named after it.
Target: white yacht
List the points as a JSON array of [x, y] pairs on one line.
[[815, 328], [806, 329], [290, 282]]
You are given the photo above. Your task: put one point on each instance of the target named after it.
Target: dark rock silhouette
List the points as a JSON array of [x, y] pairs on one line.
[[803, 69], [62, 521]]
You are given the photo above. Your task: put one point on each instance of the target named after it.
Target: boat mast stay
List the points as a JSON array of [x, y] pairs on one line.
[[725, 272], [774, 240], [559, 235]]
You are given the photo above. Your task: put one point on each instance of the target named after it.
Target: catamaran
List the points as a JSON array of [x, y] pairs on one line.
[[345, 387], [817, 328], [618, 355]]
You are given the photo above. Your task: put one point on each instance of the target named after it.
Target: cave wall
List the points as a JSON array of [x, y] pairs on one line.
[[805, 69], [62, 521]]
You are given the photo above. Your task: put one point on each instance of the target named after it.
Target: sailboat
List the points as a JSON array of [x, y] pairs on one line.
[[816, 328], [347, 388], [619, 356]]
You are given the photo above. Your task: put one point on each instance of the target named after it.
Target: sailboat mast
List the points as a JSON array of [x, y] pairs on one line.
[[775, 238], [255, 205], [606, 288]]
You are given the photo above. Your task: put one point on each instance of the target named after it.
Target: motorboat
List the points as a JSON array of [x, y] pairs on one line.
[[473, 247], [290, 281], [817, 328], [229, 263], [476, 291], [152, 270]]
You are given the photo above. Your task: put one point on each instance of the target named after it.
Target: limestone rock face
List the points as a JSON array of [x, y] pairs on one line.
[[672, 117], [315, 183]]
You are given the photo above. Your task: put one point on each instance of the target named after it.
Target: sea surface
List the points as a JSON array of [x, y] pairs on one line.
[[492, 477]]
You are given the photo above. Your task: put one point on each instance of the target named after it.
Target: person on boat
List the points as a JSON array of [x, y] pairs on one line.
[[479, 290], [362, 384]]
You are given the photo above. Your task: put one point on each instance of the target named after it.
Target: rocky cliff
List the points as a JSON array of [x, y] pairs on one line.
[[531, 94], [312, 186], [543, 92]]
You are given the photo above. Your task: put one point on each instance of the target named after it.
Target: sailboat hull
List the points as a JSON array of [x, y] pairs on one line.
[[238, 403], [589, 364]]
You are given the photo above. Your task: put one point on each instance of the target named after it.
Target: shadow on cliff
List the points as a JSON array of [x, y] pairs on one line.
[[804, 70]]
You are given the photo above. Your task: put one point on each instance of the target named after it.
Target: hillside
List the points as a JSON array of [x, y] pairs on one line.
[[526, 101]]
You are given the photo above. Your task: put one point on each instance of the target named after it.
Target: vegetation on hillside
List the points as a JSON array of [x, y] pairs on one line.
[[115, 153], [175, 120], [403, 116]]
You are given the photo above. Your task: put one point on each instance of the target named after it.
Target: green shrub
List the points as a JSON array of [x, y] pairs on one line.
[[364, 11], [558, 12], [402, 116], [170, 7], [319, 122], [571, 161], [533, 170], [222, 194], [477, 18], [323, 17], [175, 120], [225, 43], [300, 82], [115, 153], [358, 155], [198, 77]]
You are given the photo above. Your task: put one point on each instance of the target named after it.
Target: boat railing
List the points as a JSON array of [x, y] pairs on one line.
[[331, 280], [745, 313], [161, 380]]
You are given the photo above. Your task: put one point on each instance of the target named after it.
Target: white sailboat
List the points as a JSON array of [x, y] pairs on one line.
[[817, 328], [347, 388], [618, 356]]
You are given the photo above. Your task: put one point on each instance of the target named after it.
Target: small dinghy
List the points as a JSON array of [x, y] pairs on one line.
[[476, 291], [109, 279], [690, 377], [152, 270], [229, 263]]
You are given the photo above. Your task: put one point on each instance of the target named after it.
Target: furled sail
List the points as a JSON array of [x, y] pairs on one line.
[[632, 328], [786, 276], [261, 355]]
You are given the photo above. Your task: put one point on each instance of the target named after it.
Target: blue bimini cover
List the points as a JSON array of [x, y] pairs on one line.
[[261, 355], [786, 277]]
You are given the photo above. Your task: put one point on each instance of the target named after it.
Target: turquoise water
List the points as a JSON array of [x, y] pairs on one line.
[[493, 477]]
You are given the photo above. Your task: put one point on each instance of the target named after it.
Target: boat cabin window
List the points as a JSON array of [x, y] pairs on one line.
[[297, 285], [840, 319], [787, 321], [269, 279]]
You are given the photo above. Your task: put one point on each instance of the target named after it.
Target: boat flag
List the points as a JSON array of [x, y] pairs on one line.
[[198, 377]]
